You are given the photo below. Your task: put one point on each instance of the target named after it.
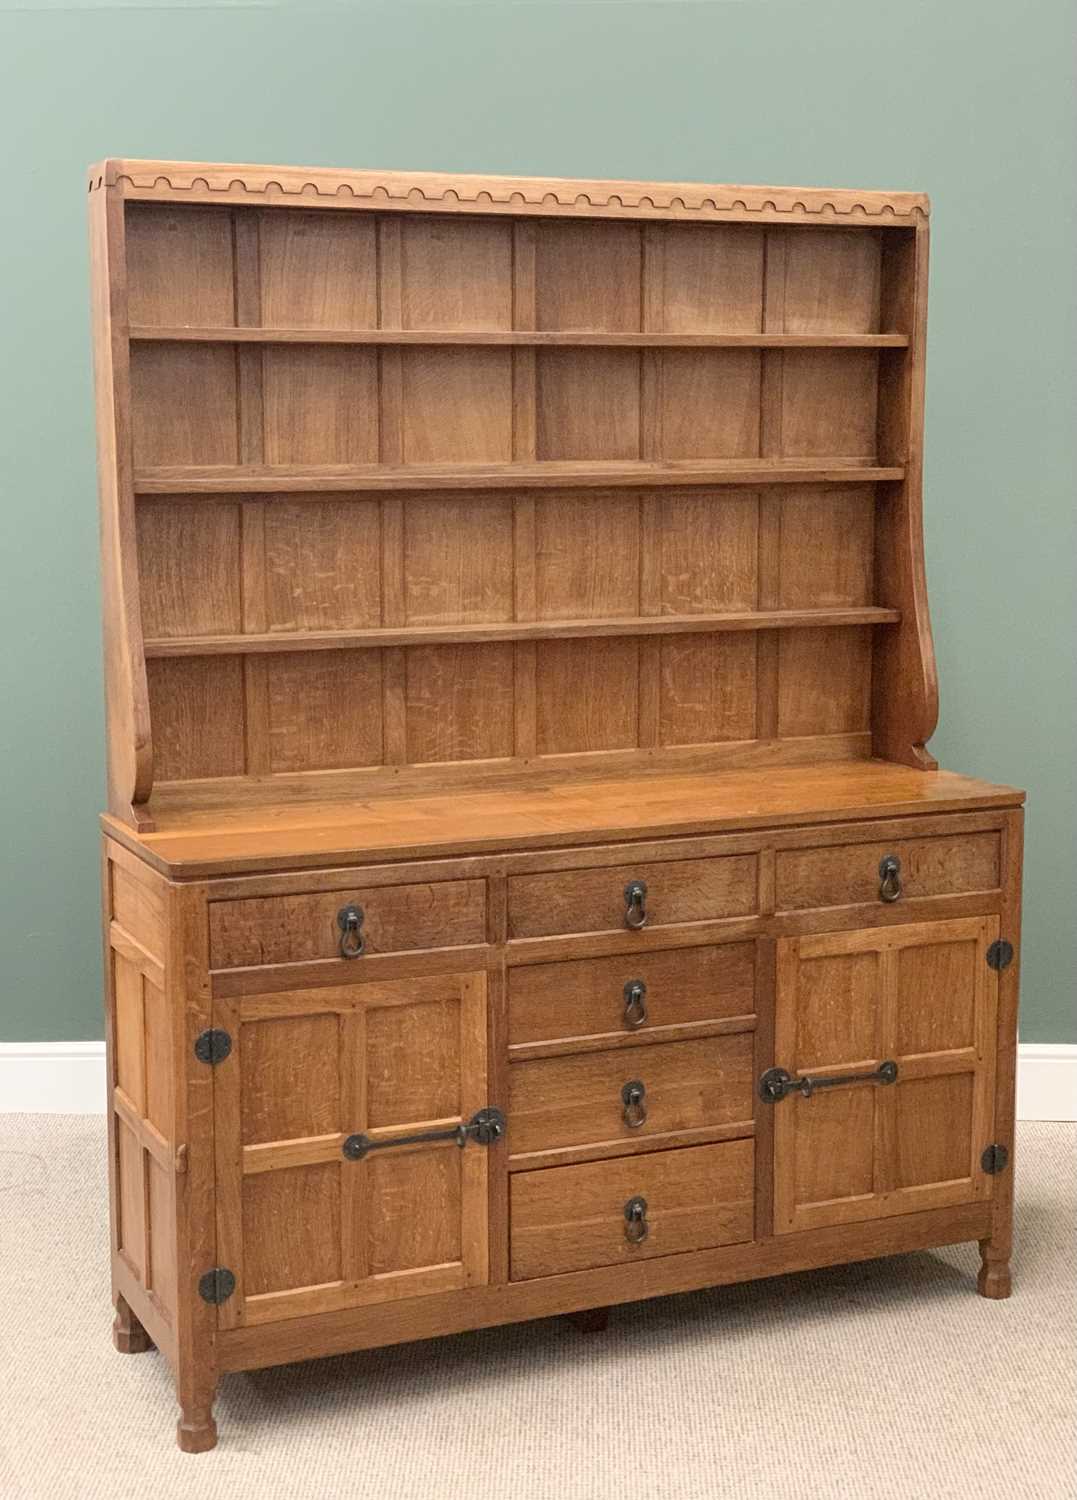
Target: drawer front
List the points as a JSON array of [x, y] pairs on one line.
[[681, 890], [572, 1218], [630, 995], [850, 875], [555, 1102], [396, 919]]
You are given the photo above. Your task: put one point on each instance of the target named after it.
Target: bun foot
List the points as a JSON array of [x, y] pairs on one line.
[[128, 1334], [994, 1280], [589, 1319], [196, 1431]]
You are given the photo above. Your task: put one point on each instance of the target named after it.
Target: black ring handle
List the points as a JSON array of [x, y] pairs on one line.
[[636, 904], [634, 1100], [350, 921], [636, 1227], [635, 1011], [890, 878]]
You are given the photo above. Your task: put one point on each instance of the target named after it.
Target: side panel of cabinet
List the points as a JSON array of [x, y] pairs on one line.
[[303, 1228], [922, 996]]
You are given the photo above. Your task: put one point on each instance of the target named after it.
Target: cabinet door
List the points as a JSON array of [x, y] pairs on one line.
[[922, 997], [302, 1227]]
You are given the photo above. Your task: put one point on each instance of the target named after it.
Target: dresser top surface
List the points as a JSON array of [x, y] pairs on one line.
[[203, 830]]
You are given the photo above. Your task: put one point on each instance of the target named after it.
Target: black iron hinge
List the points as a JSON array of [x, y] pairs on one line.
[[994, 1159], [1000, 954], [212, 1046], [216, 1286]]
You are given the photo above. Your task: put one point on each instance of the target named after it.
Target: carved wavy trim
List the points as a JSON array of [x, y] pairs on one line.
[[200, 182]]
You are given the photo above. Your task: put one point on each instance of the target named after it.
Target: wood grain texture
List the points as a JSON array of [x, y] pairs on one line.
[[474, 548], [555, 1102], [571, 1218]]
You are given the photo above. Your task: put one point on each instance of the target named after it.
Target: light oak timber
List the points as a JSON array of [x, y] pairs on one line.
[[192, 842], [601, 474], [520, 1301], [517, 337], [474, 193], [473, 547], [544, 630]]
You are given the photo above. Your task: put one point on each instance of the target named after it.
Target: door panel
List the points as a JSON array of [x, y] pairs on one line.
[[921, 996], [303, 1228]]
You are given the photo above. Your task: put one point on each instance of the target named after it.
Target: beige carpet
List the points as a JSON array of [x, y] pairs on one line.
[[872, 1382]]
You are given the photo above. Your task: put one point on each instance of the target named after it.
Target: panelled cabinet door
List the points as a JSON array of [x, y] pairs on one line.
[[922, 997], [302, 1227]]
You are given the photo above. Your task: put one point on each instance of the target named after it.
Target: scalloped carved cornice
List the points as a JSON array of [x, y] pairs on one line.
[[202, 182]]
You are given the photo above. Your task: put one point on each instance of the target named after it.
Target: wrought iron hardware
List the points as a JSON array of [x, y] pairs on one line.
[[636, 904], [216, 1286], [485, 1128], [212, 1046], [776, 1082], [890, 878], [995, 1159], [350, 922], [634, 1099], [1000, 955], [636, 1227], [635, 1004]]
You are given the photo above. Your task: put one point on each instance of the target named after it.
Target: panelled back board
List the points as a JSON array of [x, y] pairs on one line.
[[518, 657]]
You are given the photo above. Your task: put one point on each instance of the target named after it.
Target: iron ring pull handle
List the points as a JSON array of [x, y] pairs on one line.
[[634, 1100], [635, 1012], [890, 878], [636, 904], [350, 921], [485, 1127], [777, 1082], [636, 1227]]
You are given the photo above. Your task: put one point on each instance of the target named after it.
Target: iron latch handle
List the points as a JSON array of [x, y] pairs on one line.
[[484, 1128], [776, 1082]]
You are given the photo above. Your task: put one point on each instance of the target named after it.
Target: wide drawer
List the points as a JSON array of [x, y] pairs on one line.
[[395, 919], [607, 1213], [630, 995], [602, 899], [628, 1095], [853, 874]]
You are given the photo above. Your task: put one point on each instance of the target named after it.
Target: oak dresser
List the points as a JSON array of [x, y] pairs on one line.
[[526, 887]]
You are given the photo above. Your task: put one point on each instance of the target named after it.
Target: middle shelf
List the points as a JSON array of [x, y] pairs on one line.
[[512, 630], [288, 479]]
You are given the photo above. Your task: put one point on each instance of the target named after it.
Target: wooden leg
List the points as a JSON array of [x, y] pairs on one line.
[[128, 1334], [589, 1319], [196, 1431], [994, 1279]]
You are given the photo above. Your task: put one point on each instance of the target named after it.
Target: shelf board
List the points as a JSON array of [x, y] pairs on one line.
[[537, 630], [603, 474], [510, 337]]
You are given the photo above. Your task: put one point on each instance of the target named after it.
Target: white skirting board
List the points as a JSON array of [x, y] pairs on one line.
[[69, 1078]]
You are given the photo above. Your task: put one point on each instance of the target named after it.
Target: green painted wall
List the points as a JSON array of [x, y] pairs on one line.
[[971, 101]]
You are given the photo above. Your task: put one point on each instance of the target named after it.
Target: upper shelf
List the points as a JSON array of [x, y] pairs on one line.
[[500, 336], [176, 479]]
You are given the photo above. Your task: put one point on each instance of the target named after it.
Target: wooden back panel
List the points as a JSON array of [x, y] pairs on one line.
[[448, 494]]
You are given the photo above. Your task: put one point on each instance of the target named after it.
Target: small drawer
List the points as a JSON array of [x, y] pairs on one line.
[[608, 1213], [631, 896], [861, 874], [629, 1094], [299, 928], [629, 995]]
